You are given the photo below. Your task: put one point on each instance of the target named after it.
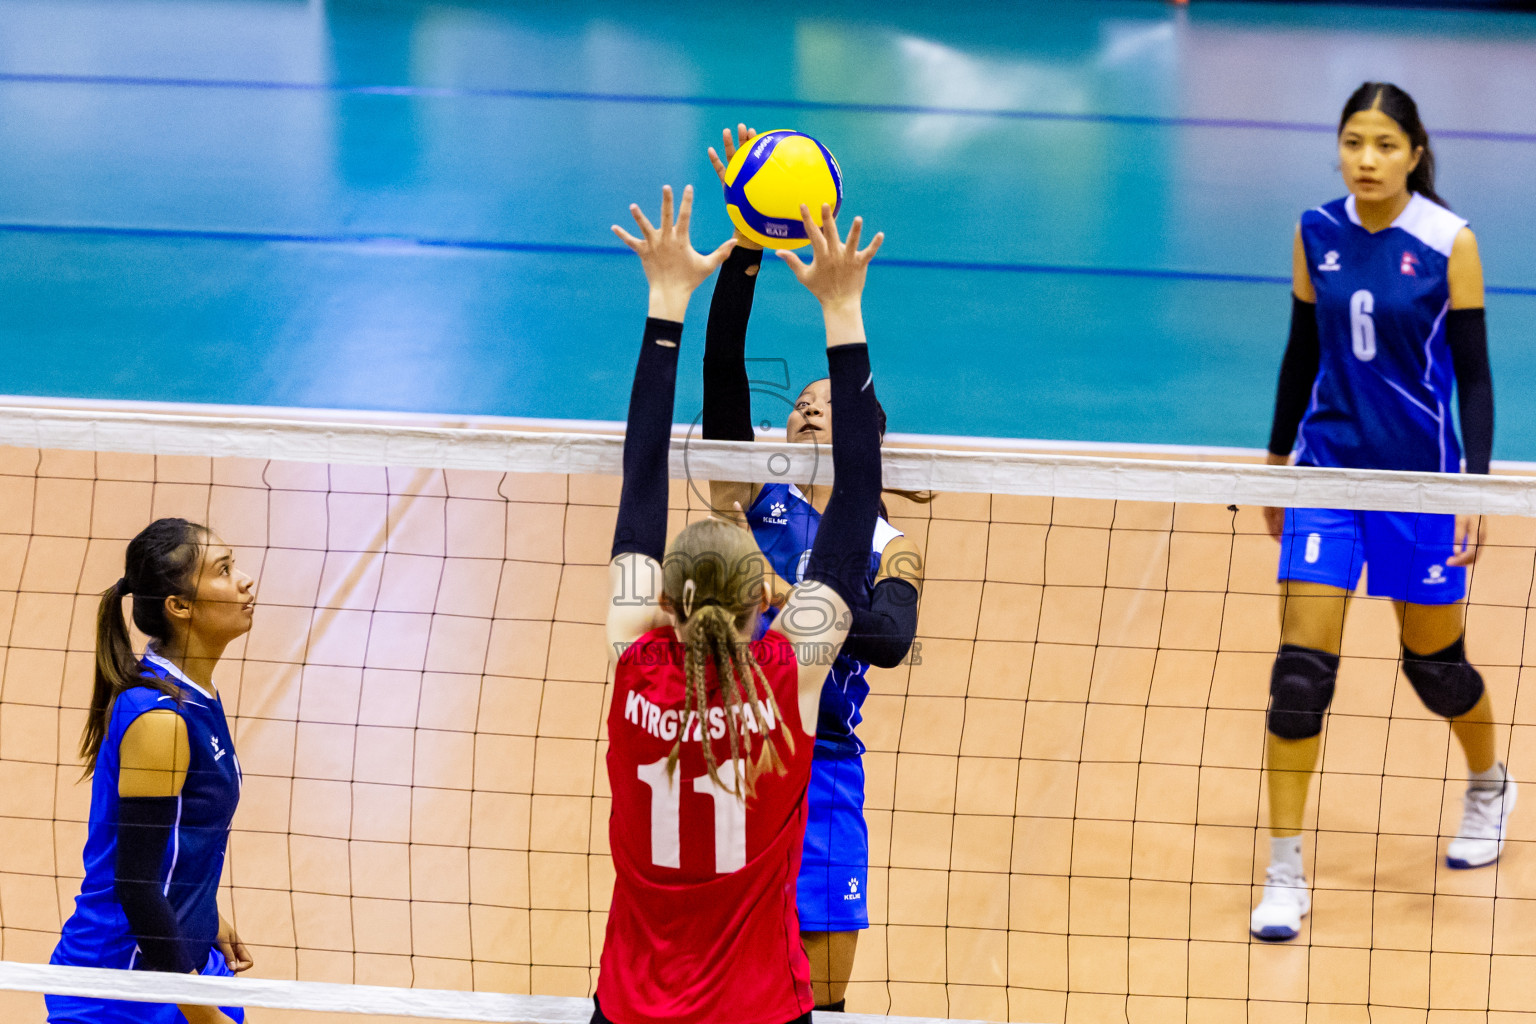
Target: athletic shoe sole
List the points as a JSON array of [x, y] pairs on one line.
[[1275, 933], [1458, 864]]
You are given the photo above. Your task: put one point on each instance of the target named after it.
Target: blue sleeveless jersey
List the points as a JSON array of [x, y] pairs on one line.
[[96, 934], [784, 524], [1382, 397]]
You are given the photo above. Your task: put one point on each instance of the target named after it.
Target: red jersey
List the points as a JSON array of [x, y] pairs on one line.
[[703, 928]]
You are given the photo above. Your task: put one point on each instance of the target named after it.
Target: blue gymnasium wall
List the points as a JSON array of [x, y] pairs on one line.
[[404, 206]]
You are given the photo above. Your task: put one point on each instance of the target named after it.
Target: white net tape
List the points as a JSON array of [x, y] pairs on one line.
[[1061, 476], [323, 997]]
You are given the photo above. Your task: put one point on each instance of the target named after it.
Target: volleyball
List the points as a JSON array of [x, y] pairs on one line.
[[766, 182]]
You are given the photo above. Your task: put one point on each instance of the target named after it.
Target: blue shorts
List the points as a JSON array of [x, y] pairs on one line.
[[834, 870], [1405, 550], [80, 1010]]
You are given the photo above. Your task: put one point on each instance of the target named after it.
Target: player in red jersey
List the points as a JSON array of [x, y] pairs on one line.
[[710, 733]]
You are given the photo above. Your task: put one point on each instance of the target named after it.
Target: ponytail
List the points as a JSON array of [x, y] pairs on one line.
[[159, 564], [714, 577]]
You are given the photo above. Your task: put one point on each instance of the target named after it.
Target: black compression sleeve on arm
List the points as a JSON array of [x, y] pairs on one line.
[[727, 391], [1466, 331], [882, 633], [1298, 372], [844, 539], [642, 522], [144, 827]]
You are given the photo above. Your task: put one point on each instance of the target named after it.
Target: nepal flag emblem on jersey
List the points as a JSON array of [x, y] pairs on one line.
[[1409, 262]]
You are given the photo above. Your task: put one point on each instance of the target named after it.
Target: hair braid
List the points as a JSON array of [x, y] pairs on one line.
[[714, 577]]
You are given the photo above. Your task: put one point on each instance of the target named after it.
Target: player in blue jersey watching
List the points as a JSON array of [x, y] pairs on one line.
[[1386, 320], [832, 891], [164, 778]]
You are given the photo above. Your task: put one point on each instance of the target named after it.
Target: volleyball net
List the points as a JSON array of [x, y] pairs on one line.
[[1064, 788]]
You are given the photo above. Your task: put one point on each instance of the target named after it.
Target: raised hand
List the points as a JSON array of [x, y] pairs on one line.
[[837, 270], [673, 268], [730, 145]]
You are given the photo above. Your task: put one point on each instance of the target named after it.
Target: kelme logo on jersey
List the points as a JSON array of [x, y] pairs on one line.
[[1409, 262], [1436, 574], [776, 514], [1330, 261], [218, 751]]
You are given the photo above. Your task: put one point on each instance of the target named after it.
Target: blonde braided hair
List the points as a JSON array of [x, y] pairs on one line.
[[715, 577]]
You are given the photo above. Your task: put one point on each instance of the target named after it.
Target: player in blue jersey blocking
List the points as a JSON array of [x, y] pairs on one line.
[[1386, 321], [164, 779], [832, 891]]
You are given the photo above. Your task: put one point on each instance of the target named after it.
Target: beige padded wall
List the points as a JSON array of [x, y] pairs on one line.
[[1063, 788]]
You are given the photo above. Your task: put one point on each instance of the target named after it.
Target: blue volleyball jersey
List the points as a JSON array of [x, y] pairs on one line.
[[784, 524], [1382, 397], [97, 934]]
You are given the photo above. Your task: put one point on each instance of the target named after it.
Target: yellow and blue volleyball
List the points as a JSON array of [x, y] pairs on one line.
[[767, 180]]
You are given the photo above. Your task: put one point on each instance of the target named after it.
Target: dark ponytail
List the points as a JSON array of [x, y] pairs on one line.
[[1399, 106], [160, 563]]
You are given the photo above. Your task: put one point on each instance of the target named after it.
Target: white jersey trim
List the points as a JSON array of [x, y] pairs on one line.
[[884, 531], [1424, 219], [151, 655]]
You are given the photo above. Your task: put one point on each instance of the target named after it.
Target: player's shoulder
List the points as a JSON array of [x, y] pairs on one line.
[[1329, 216], [1431, 224], [136, 700]]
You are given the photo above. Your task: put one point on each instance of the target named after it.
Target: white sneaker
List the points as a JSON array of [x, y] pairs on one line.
[[1484, 819], [1287, 899]]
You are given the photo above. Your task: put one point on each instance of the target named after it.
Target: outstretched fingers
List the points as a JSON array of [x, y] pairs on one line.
[[797, 266], [666, 207], [647, 230], [829, 225], [874, 247], [685, 211], [813, 231], [721, 252], [628, 239], [851, 246]]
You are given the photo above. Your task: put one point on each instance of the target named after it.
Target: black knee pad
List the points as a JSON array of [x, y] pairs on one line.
[[1444, 681], [1300, 690]]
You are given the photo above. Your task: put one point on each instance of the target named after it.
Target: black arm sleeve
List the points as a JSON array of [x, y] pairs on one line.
[[845, 536], [727, 391], [1466, 331], [882, 633], [642, 522], [1298, 372], [144, 827]]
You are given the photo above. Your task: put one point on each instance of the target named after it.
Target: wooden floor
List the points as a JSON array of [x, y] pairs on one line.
[[1064, 788]]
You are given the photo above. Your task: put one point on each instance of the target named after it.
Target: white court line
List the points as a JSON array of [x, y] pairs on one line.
[[327, 997]]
